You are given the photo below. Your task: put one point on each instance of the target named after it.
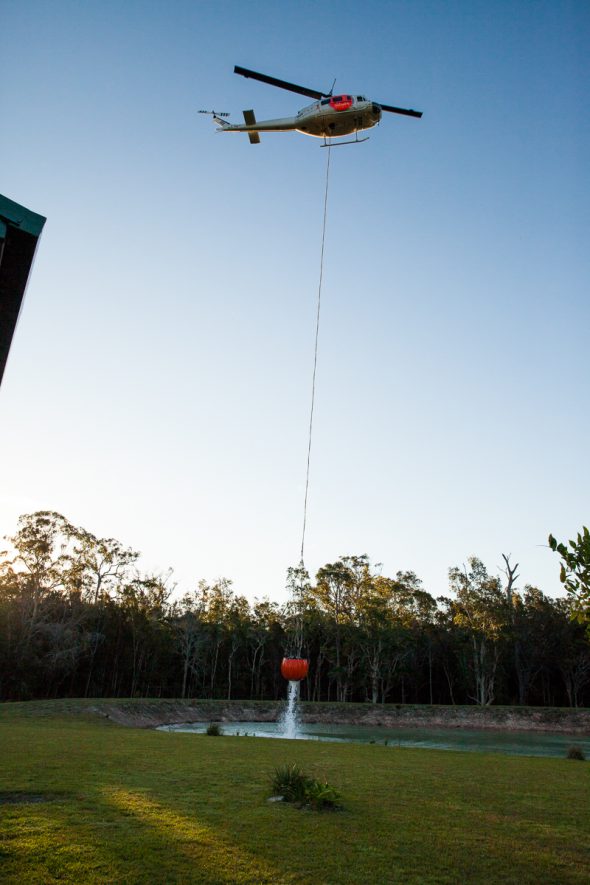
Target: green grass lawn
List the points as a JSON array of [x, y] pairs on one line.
[[129, 805]]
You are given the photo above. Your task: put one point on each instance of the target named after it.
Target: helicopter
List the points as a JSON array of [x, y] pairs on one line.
[[330, 116]]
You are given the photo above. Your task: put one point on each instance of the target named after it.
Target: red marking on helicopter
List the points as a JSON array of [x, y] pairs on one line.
[[341, 102]]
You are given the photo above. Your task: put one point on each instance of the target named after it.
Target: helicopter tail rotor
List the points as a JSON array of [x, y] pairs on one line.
[[217, 116]]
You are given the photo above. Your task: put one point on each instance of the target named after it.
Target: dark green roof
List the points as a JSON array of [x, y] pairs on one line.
[[19, 234], [22, 218]]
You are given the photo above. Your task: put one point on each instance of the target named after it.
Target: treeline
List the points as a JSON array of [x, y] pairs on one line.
[[78, 619]]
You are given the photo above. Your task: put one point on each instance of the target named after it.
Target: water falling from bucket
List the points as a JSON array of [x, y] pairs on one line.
[[292, 669], [289, 721]]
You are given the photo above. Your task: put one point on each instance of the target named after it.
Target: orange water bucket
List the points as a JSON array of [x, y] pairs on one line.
[[294, 669]]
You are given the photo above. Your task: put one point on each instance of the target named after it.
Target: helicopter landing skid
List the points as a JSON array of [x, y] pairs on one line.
[[329, 143]]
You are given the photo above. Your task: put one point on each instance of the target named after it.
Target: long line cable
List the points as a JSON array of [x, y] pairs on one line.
[[315, 355]]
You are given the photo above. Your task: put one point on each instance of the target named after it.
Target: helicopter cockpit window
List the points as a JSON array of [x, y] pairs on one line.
[[361, 98]]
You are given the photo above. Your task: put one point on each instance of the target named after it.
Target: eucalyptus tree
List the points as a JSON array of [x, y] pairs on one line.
[[266, 632], [317, 647], [228, 620], [143, 603], [448, 644], [480, 608], [299, 599], [533, 629], [415, 611], [340, 590], [42, 561], [215, 600], [40, 574], [573, 651], [100, 564], [239, 631], [388, 614], [187, 623]]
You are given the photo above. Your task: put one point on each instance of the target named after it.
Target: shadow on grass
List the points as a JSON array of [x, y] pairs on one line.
[[217, 859], [120, 835]]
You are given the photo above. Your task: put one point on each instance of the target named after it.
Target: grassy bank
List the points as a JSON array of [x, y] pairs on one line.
[[129, 805]]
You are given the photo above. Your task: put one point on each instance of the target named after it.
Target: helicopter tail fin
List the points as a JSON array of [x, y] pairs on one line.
[[223, 124], [250, 120], [218, 117]]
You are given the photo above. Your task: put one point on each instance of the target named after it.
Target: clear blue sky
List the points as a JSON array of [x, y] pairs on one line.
[[158, 386]]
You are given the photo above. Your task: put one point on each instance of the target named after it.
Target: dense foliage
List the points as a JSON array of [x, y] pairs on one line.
[[575, 571], [78, 619]]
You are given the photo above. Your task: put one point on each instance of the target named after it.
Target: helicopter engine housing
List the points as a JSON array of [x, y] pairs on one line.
[[337, 116]]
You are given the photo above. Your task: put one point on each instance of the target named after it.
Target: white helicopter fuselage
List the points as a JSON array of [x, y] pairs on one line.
[[330, 117]]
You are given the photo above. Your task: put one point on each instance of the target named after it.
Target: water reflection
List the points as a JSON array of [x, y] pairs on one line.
[[524, 743]]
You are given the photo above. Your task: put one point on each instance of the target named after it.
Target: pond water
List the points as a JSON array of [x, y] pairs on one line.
[[520, 743]]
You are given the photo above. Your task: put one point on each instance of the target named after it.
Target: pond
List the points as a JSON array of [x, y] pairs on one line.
[[514, 743]]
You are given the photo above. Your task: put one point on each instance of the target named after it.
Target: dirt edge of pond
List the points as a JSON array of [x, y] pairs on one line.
[[149, 714], [152, 712]]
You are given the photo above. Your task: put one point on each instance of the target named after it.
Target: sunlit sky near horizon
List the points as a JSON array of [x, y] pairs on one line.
[[158, 385]]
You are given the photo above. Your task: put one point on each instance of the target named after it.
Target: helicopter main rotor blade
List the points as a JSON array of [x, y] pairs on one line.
[[407, 112], [282, 84]]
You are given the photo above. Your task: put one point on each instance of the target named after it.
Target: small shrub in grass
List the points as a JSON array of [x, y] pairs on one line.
[[290, 782], [576, 752], [320, 796], [214, 729]]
